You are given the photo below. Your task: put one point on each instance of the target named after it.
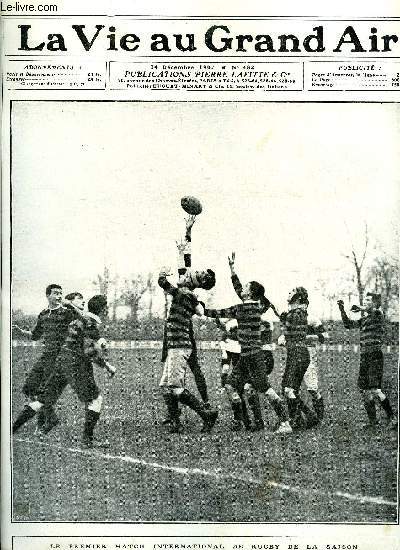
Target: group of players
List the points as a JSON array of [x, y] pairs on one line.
[[247, 358], [73, 347]]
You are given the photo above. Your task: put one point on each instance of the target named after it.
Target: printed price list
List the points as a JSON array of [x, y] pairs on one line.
[[55, 76], [352, 76]]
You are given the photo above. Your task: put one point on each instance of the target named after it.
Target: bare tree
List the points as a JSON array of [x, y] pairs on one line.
[[324, 287], [151, 288], [115, 299], [384, 278], [357, 259], [132, 293], [102, 281]]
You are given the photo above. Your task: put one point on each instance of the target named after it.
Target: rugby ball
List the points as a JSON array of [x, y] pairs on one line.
[[191, 205]]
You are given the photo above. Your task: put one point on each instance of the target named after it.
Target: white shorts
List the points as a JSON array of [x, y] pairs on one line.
[[230, 345], [311, 376], [175, 367]]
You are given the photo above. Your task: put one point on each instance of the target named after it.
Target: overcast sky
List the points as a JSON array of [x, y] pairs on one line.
[[287, 186]]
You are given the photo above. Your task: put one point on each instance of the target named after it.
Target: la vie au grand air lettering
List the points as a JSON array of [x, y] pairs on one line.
[[217, 39]]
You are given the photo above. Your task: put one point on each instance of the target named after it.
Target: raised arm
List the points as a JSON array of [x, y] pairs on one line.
[[237, 285], [165, 284], [348, 323], [184, 247]]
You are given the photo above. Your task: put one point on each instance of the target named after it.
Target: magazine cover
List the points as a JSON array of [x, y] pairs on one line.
[[200, 291]]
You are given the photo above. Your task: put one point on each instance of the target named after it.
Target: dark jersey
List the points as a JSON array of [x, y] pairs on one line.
[[83, 333], [52, 326], [315, 329]]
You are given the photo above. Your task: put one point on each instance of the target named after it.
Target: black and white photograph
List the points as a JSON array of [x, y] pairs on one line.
[[204, 311]]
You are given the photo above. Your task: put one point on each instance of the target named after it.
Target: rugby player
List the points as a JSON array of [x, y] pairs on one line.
[[371, 327], [250, 371], [82, 349], [51, 326], [179, 337]]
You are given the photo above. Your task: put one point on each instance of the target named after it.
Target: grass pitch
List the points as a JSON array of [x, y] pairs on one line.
[[334, 473]]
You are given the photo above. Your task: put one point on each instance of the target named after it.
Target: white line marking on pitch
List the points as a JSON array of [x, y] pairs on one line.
[[218, 475]]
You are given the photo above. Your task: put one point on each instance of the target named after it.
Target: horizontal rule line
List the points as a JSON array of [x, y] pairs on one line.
[[299, 18]]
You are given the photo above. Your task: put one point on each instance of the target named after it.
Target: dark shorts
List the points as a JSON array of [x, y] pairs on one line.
[[268, 359], [74, 370], [193, 360], [297, 361], [39, 373], [252, 370], [231, 358], [371, 370]]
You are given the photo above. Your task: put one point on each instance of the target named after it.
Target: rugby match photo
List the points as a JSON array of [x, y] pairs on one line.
[[205, 305]]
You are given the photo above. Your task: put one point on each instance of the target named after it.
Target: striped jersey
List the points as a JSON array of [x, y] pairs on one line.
[[82, 335], [266, 336], [179, 322], [187, 261], [52, 326], [266, 333], [164, 353], [248, 316], [295, 327], [371, 327]]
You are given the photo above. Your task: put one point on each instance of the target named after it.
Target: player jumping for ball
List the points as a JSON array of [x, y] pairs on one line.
[[185, 264], [371, 326], [179, 338], [250, 371]]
